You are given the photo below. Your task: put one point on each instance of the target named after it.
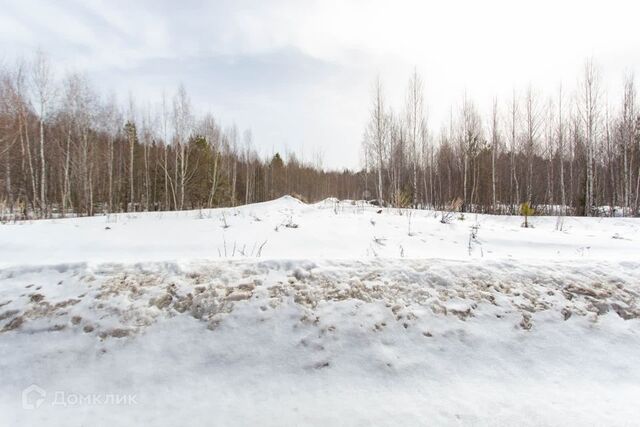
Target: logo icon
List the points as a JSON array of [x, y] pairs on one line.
[[33, 396]]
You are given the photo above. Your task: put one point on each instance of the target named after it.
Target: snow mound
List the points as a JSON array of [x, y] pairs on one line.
[[130, 298], [289, 200], [329, 200], [325, 341]]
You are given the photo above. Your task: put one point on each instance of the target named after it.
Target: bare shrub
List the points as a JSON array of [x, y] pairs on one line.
[[446, 216]]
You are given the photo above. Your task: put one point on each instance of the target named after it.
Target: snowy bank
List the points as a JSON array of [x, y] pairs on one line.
[[290, 342]]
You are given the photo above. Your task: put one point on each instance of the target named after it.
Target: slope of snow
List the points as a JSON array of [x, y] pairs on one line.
[[347, 319]]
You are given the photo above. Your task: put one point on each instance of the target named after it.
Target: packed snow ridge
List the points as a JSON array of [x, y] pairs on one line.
[[335, 312]]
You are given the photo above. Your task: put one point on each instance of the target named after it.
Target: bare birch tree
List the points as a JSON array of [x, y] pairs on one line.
[[182, 122], [44, 91], [415, 123], [589, 109], [377, 134]]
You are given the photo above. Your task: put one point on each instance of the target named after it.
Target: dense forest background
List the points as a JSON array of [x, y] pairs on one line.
[[66, 150]]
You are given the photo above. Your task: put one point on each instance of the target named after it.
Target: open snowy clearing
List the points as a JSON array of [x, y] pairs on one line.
[[326, 230], [285, 313]]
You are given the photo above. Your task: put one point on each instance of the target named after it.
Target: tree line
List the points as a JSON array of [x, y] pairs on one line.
[[66, 150], [563, 153]]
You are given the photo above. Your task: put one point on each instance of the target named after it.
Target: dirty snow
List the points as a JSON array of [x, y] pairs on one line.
[[282, 313]]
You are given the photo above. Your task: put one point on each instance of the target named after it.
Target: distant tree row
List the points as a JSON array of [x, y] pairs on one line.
[[66, 150], [562, 154]]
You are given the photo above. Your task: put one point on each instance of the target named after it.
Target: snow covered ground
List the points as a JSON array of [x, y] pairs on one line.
[[325, 231], [282, 313]]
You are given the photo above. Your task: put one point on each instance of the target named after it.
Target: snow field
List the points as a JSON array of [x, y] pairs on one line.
[[500, 329]]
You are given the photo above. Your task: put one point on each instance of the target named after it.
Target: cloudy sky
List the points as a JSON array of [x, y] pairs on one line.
[[299, 73]]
